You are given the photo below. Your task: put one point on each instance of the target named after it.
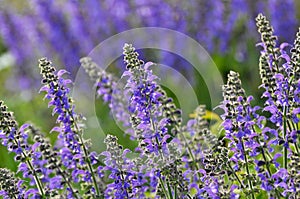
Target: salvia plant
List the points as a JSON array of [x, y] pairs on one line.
[[256, 155], [57, 28]]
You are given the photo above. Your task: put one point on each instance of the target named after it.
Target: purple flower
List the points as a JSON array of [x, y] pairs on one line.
[[74, 153], [10, 186], [151, 112], [127, 182], [16, 140], [111, 92]]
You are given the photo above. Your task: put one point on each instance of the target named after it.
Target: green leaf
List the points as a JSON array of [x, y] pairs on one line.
[[193, 192], [262, 195], [150, 195], [209, 115]]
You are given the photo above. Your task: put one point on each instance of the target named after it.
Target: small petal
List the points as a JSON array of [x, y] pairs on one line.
[[62, 72]]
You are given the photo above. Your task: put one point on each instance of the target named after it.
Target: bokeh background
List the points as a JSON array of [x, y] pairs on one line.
[[65, 31]]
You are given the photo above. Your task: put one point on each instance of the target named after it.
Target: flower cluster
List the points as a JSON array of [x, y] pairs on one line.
[[154, 118], [279, 69], [16, 140], [151, 111], [256, 155], [127, 183], [11, 187], [74, 152], [110, 91]]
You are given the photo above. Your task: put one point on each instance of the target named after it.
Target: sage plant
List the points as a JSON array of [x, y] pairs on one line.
[[256, 155]]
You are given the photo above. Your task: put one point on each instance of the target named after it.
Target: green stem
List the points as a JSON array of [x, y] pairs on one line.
[[175, 193], [265, 158], [236, 176], [284, 137], [163, 187], [86, 156], [66, 180], [248, 171], [297, 149], [190, 151], [37, 180], [35, 176], [188, 148], [292, 127], [169, 190], [90, 166]]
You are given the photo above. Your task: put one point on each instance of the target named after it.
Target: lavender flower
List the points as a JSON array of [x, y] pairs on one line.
[[145, 104], [38, 161], [211, 157], [124, 184], [154, 118], [16, 140], [74, 154], [257, 157], [111, 92], [239, 120], [281, 86], [52, 163], [10, 186], [105, 83]]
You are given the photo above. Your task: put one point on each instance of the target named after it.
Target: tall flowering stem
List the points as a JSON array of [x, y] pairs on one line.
[[237, 124], [110, 91], [154, 117], [281, 84], [295, 89], [16, 141], [120, 167], [53, 161], [272, 75], [211, 157], [143, 108], [74, 154]]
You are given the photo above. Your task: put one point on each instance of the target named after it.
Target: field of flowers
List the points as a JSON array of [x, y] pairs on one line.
[[93, 105]]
